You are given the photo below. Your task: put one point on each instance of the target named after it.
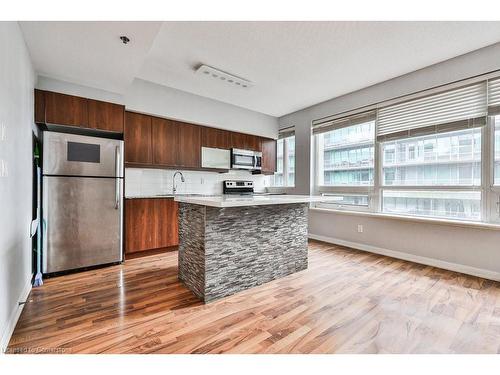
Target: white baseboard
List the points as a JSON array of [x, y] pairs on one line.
[[462, 268], [14, 316]]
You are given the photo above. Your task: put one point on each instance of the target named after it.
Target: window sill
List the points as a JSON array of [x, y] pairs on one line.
[[455, 223], [280, 189]]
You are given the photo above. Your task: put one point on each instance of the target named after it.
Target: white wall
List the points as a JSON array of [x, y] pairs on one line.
[[143, 96], [150, 98], [16, 121], [464, 246]]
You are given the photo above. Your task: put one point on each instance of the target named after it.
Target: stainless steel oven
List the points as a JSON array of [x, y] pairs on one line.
[[82, 201], [246, 159]]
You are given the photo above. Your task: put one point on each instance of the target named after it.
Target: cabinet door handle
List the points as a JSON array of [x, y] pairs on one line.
[[117, 179]]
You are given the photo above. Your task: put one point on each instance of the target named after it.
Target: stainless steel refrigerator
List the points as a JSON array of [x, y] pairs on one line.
[[82, 201]]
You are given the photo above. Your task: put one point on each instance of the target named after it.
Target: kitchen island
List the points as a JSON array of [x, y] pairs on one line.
[[229, 244]]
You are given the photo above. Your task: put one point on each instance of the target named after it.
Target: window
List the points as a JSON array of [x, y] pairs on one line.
[[278, 179], [444, 159], [347, 155], [345, 150], [441, 203], [496, 149], [285, 160], [290, 166], [431, 154], [426, 156], [346, 200]]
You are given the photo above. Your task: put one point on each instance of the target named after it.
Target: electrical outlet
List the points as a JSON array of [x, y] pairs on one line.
[[360, 228]]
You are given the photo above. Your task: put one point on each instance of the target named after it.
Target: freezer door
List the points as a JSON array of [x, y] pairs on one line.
[[83, 222], [79, 155]]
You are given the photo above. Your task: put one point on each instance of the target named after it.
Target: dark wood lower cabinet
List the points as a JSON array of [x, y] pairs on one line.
[[166, 221], [150, 223]]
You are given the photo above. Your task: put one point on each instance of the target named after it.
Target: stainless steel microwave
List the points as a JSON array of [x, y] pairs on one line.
[[246, 159]]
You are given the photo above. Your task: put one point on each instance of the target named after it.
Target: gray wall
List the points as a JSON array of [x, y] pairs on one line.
[[478, 62], [16, 121], [327, 224], [470, 250], [150, 98]]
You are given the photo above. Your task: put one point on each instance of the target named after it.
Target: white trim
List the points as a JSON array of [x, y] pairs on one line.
[[285, 185], [479, 272], [14, 316], [419, 219], [280, 189]]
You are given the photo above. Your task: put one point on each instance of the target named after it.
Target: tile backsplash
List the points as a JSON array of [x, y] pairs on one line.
[[147, 182]]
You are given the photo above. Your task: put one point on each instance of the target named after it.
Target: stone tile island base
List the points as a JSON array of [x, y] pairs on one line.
[[226, 250]]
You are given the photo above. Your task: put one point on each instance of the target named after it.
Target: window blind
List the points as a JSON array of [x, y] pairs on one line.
[[494, 96], [342, 122], [286, 132], [450, 107]]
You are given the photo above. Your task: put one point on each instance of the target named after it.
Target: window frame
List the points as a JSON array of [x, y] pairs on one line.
[[285, 186], [484, 177], [368, 190], [490, 193]]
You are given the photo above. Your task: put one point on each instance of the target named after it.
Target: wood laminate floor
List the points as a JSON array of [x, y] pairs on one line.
[[348, 301]]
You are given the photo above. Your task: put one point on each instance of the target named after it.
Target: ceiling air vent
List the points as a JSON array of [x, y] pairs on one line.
[[219, 75]]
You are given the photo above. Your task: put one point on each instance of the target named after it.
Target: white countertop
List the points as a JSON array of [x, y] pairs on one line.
[[144, 196], [255, 200]]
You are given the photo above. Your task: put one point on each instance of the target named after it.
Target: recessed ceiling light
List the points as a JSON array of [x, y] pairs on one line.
[[232, 80], [125, 39]]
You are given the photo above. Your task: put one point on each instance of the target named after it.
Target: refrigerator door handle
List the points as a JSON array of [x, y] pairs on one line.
[[117, 180]]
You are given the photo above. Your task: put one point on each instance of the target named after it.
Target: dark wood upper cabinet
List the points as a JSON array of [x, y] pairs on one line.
[[238, 140], [246, 141], [176, 144], [254, 143], [268, 155], [62, 109], [189, 145], [105, 116], [54, 108], [138, 139], [165, 142], [39, 106], [216, 138]]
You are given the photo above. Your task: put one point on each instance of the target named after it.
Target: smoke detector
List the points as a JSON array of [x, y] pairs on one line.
[[223, 77]]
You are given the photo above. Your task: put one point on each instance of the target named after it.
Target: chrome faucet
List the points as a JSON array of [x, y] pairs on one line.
[[174, 189]]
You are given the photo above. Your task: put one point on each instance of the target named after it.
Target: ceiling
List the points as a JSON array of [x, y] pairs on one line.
[[292, 64]]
